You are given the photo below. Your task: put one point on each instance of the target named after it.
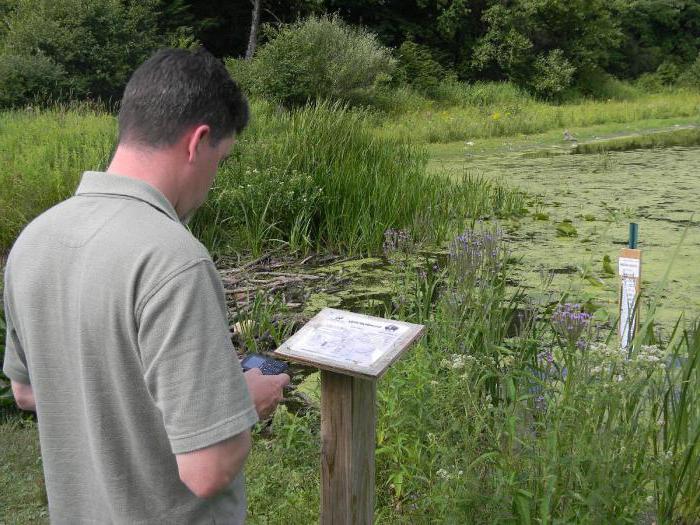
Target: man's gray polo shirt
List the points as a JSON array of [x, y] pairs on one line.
[[116, 316]]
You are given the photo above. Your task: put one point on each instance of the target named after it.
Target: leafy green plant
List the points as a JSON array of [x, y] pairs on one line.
[[320, 58], [553, 74]]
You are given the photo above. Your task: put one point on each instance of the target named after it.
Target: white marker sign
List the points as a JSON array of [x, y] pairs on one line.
[[629, 269]]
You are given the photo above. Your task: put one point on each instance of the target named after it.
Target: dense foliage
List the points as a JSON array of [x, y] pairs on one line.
[[75, 49], [553, 48]]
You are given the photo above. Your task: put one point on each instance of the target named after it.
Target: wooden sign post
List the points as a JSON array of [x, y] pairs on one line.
[[352, 351], [630, 270]]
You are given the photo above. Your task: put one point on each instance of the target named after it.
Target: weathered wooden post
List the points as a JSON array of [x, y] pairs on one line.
[[630, 270], [352, 351]]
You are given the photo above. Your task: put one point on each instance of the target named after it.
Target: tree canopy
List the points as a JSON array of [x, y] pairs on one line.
[[87, 49]]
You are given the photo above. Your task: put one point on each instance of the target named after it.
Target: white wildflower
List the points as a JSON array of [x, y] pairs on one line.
[[442, 473], [458, 361]]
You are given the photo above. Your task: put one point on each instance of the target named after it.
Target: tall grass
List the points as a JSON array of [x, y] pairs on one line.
[[677, 446], [43, 154], [314, 178], [319, 178]]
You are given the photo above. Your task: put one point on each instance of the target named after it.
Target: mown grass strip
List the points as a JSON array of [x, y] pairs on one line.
[[666, 139]]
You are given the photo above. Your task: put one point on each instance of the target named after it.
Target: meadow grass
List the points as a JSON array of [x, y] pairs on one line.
[[515, 116]]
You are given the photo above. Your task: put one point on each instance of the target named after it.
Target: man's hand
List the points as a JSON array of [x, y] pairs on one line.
[[265, 391]]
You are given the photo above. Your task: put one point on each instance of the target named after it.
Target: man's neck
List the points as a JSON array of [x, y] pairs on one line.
[[154, 167]]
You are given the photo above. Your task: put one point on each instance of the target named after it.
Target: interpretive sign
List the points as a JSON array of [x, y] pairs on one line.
[[350, 343], [352, 351]]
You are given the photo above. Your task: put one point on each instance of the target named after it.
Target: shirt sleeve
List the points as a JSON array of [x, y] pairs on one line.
[[15, 362], [190, 366]]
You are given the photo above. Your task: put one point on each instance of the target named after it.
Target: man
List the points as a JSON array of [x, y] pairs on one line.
[[117, 332]]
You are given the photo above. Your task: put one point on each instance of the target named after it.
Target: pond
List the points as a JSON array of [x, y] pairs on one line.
[[580, 207]]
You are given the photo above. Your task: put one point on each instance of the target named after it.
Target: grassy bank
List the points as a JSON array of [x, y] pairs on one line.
[[665, 139], [516, 115]]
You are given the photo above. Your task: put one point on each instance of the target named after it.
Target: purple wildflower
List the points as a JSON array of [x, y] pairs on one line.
[[546, 357], [475, 255], [570, 322]]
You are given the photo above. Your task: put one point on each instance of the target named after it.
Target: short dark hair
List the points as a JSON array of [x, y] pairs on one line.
[[176, 89]]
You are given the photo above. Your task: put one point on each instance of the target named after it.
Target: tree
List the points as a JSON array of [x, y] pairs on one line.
[[255, 23], [526, 38], [654, 32], [77, 49]]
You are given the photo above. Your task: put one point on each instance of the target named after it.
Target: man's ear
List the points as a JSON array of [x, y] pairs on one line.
[[199, 135]]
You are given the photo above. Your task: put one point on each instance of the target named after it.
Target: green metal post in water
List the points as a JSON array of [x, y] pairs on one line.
[[634, 235]]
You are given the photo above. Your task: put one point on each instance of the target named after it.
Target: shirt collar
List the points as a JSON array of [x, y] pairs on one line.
[[101, 183]]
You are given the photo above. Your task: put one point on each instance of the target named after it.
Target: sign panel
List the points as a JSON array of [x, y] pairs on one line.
[[629, 267], [350, 343]]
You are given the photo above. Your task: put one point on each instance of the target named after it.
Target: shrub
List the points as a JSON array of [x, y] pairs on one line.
[[650, 83], [668, 72], [321, 58], [243, 71], [30, 79], [597, 84]]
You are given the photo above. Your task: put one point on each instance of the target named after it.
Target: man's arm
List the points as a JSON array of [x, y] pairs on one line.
[[208, 471], [24, 395]]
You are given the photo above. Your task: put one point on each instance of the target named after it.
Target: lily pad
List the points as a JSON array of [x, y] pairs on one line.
[[566, 229]]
